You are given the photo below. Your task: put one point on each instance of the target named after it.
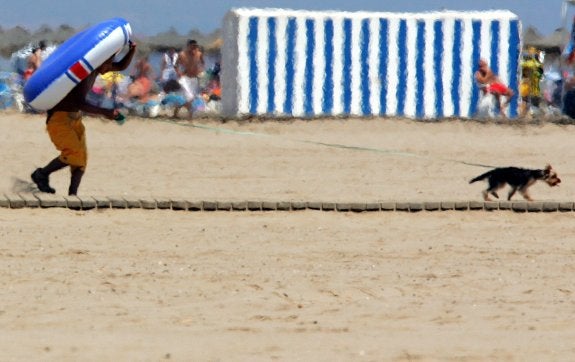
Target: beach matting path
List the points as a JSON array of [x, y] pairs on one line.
[[138, 284]]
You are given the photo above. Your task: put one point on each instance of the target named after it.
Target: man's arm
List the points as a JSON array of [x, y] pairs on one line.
[[125, 62], [479, 77], [89, 108], [483, 77]]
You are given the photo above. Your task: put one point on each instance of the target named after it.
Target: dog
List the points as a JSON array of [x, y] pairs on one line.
[[519, 179]]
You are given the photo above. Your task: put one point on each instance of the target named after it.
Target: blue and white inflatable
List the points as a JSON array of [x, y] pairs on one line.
[[74, 60]]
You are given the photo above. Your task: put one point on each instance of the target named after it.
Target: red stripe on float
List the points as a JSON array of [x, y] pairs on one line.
[[79, 71]]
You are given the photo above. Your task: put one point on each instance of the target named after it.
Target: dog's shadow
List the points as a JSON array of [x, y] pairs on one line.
[[23, 186]]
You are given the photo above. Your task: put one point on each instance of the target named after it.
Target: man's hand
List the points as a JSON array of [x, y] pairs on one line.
[[119, 118], [110, 114]]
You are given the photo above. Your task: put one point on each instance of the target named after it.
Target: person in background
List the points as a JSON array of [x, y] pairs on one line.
[[174, 97], [35, 59], [142, 79], [67, 132], [190, 67], [530, 87], [491, 84], [168, 66]]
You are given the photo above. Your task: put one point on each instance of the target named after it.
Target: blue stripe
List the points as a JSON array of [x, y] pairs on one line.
[[514, 53], [252, 56], [72, 78], [438, 70], [125, 32], [383, 59], [419, 70], [290, 65], [364, 60], [495, 38], [309, 71], [87, 64], [456, 82], [402, 71], [327, 104], [347, 66], [272, 56], [475, 56]]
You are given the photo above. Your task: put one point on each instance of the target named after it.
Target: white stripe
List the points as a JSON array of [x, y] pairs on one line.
[[467, 67], [61, 86], [485, 42], [392, 67], [504, 33], [447, 66], [375, 84], [505, 72], [319, 65], [128, 30], [337, 65], [280, 81], [71, 74], [355, 107], [299, 76], [362, 14], [411, 86], [243, 66], [429, 90], [262, 61]]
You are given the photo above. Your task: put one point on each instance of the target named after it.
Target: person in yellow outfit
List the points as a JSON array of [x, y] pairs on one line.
[[531, 75], [67, 132]]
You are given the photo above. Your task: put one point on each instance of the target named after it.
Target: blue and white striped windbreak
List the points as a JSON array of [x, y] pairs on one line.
[[304, 64]]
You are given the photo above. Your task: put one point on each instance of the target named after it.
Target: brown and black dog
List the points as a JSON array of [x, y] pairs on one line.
[[519, 179]]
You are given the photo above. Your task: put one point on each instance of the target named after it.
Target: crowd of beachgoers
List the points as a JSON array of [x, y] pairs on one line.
[[156, 84]]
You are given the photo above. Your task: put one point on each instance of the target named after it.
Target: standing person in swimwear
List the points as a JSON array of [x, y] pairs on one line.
[[491, 83], [190, 67], [168, 66], [35, 59], [67, 132]]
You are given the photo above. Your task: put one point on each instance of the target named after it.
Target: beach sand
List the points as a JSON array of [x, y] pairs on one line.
[[308, 285]]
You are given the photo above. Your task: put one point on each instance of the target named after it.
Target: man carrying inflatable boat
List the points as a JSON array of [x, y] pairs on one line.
[[60, 87]]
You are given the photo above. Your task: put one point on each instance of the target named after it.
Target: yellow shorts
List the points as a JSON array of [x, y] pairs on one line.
[[67, 133]]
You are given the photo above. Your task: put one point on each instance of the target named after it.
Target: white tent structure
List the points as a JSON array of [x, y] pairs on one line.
[[564, 8]]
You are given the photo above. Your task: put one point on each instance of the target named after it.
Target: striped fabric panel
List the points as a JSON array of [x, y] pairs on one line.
[[322, 65]]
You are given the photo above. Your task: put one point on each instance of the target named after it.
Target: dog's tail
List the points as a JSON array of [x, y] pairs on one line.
[[481, 177]]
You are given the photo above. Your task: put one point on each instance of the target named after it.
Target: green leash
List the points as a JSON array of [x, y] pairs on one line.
[[332, 145]]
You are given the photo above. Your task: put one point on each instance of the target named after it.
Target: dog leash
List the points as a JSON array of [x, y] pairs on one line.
[[324, 144]]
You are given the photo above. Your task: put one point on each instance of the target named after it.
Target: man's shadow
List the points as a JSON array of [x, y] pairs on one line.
[[23, 186]]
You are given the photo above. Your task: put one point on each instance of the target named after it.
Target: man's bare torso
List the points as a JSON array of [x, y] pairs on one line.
[[192, 62]]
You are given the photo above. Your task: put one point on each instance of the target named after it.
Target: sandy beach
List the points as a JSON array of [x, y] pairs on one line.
[[153, 285]]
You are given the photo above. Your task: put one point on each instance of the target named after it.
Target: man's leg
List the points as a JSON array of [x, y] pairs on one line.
[[41, 176], [75, 180], [502, 105], [67, 133], [507, 96], [189, 90], [523, 107]]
